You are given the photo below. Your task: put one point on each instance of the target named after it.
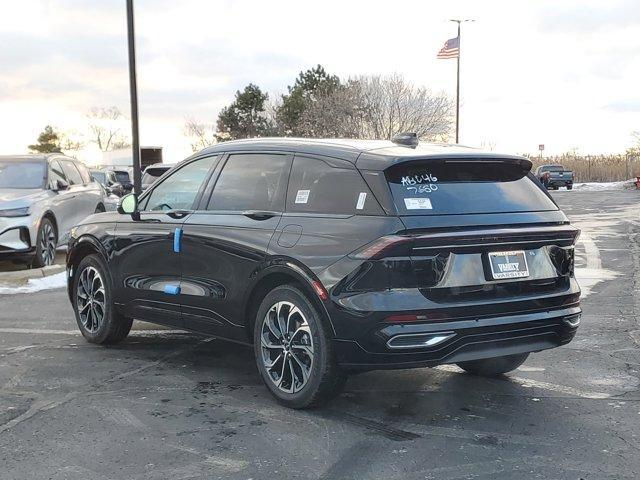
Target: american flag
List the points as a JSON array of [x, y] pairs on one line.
[[451, 48]]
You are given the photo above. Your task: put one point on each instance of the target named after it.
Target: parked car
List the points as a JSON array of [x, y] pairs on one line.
[[153, 173], [41, 198], [117, 182], [335, 256], [555, 176]]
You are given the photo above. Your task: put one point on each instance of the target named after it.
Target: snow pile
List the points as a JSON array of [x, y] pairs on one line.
[[598, 186], [58, 280]]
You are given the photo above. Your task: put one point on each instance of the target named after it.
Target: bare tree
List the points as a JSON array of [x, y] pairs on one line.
[[200, 134], [393, 105], [105, 127], [378, 108], [71, 142]]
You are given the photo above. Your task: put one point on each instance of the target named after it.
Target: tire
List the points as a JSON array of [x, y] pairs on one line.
[[46, 244], [492, 367], [569, 187], [305, 353], [98, 321]]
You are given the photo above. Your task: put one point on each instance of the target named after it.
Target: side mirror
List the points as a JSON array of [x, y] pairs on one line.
[[61, 185], [128, 204]]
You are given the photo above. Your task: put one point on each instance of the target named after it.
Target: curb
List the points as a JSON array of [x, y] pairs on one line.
[[21, 277]]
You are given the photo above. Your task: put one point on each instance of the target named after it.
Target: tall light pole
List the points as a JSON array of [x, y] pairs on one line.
[[133, 89], [459, 22]]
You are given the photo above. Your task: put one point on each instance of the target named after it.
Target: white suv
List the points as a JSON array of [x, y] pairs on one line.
[[41, 198]]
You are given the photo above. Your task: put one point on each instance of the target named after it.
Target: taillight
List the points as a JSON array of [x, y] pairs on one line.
[[383, 247]]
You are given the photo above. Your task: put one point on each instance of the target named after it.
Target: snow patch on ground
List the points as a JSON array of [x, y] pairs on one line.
[[58, 280], [599, 186]]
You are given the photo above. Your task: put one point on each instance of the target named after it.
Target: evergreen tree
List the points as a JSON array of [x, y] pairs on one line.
[[48, 141], [245, 117], [307, 89]]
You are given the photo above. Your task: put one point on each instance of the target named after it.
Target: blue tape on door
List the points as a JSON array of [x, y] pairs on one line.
[[177, 240], [172, 289]]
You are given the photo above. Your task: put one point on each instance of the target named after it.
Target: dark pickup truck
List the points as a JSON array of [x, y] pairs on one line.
[[556, 176]]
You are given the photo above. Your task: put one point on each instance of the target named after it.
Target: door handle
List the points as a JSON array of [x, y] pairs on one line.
[[178, 213], [260, 214]]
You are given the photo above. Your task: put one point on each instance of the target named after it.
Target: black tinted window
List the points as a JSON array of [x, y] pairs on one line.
[[71, 172], [251, 182], [436, 187], [317, 187], [179, 190]]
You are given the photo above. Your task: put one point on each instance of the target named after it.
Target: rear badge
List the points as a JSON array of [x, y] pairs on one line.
[[418, 204], [508, 265]]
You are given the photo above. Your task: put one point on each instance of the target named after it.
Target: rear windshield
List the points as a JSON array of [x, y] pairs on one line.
[[122, 177], [445, 187], [152, 174], [16, 174], [552, 168]]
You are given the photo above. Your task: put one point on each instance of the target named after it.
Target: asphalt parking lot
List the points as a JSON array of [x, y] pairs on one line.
[[172, 405]]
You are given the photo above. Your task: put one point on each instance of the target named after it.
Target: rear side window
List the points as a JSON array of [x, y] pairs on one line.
[[71, 172], [441, 187], [252, 181], [317, 187]]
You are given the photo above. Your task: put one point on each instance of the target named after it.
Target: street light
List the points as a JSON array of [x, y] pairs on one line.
[[459, 21], [133, 89]]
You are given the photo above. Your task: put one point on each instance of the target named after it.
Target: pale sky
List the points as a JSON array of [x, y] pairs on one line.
[[562, 73]]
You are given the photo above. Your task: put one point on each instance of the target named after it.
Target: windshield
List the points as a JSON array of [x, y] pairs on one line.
[[101, 177], [449, 187], [21, 174]]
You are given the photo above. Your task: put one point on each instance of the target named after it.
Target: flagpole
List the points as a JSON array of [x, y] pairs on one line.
[[459, 22]]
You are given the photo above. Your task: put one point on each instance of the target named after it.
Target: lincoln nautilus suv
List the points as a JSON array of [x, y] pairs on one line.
[[331, 257]]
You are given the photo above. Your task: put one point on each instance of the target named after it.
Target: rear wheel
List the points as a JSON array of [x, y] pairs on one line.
[[46, 244], [293, 350], [97, 319], [569, 187], [491, 367]]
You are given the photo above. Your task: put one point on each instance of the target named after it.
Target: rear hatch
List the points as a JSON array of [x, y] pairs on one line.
[[477, 232]]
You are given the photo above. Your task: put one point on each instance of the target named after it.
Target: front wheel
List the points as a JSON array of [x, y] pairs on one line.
[[46, 244], [293, 350], [492, 367], [97, 319]]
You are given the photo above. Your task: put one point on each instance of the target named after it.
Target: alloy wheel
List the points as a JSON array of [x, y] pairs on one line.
[[91, 299], [47, 244], [287, 347]]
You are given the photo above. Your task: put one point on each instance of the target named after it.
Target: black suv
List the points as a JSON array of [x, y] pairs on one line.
[[333, 256]]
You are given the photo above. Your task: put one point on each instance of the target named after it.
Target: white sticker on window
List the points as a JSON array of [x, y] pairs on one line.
[[302, 196], [361, 198], [418, 204]]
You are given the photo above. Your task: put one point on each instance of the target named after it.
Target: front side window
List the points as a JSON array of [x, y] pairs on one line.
[[71, 172], [254, 181], [55, 174], [317, 187], [179, 190]]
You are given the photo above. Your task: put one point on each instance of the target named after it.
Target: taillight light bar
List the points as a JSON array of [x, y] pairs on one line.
[[382, 247]]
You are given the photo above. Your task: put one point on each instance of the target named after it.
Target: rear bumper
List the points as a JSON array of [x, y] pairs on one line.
[[465, 340]]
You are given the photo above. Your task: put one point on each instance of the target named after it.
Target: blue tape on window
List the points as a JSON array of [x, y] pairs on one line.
[[177, 240], [172, 289]]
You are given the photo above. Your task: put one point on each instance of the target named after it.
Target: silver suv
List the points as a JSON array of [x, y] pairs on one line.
[[41, 198]]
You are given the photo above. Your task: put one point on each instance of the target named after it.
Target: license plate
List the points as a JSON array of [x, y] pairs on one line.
[[508, 265]]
